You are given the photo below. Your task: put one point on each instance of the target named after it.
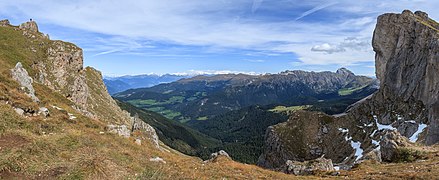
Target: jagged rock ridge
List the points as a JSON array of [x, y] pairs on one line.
[[407, 65]]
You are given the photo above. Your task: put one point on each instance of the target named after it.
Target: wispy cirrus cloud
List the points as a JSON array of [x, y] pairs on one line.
[[315, 9], [312, 32]]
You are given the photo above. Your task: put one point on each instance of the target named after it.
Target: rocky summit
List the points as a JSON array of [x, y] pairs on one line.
[[407, 61]]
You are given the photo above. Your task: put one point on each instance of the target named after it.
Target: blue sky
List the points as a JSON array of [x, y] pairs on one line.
[[215, 36]]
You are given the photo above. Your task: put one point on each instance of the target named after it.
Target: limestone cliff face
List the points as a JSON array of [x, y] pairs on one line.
[[63, 72], [407, 62], [59, 66], [407, 65]]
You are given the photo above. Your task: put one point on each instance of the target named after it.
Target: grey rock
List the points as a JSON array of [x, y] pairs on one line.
[[30, 26], [325, 130], [406, 47], [65, 72], [121, 130], [298, 139], [146, 129], [19, 111], [407, 63], [44, 111], [158, 159], [374, 155], [138, 142], [20, 75], [390, 143], [308, 167], [408, 128], [5, 22], [214, 156]]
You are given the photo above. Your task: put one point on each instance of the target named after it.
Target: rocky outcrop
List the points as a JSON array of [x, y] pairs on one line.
[[407, 49], [44, 111], [4, 22], [407, 66], [306, 136], [29, 26], [146, 130], [22, 77], [308, 167], [121, 130], [60, 68], [63, 72]]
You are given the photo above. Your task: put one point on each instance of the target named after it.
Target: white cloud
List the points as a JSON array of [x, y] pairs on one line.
[[328, 48], [350, 43], [213, 72], [256, 60], [131, 23]]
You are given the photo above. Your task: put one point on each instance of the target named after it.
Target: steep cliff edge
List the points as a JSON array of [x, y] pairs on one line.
[[407, 54], [406, 47]]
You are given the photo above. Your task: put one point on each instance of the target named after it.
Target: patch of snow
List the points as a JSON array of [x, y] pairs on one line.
[[337, 168], [415, 136], [411, 121], [382, 126], [343, 130], [358, 150], [373, 133], [376, 143], [368, 125], [356, 145], [398, 117]]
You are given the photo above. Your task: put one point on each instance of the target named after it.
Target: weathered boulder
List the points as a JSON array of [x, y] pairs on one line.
[[19, 111], [220, 154], [44, 111], [390, 143], [22, 77], [308, 167], [374, 155], [120, 130], [157, 159]]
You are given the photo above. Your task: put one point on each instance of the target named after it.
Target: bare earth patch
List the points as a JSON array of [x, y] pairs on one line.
[[12, 141]]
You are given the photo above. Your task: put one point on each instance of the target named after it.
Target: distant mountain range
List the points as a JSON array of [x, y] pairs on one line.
[[236, 109], [202, 97], [122, 83]]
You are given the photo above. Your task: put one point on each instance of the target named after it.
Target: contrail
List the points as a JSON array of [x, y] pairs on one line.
[[313, 10]]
